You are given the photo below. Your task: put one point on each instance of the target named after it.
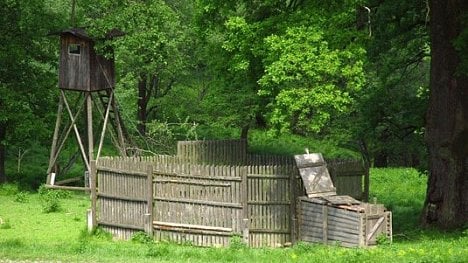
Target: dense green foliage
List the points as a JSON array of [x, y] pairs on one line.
[[26, 232], [331, 73]]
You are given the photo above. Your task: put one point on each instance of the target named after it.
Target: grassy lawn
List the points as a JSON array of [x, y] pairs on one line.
[[28, 233]]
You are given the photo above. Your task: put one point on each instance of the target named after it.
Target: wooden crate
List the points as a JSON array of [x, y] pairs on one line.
[[339, 220]]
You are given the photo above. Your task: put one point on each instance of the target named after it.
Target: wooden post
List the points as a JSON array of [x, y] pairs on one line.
[[92, 217], [149, 197], [89, 120], [293, 197], [245, 230], [245, 206], [325, 223], [366, 184], [89, 220], [104, 127], [53, 151]]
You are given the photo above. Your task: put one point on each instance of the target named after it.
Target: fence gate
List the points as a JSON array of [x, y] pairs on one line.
[[199, 204], [124, 197]]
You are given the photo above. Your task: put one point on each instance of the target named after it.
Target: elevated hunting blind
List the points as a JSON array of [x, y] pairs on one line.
[[86, 82], [80, 67]]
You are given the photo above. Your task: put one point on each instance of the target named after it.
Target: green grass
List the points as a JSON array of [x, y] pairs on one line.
[[27, 233]]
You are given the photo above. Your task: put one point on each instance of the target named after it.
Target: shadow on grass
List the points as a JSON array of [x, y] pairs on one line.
[[407, 227]]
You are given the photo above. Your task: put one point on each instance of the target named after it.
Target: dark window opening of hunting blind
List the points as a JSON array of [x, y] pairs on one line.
[[74, 49]]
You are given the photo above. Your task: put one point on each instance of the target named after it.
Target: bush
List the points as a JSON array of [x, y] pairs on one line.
[[236, 242], [50, 199], [142, 237], [9, 189], [21, 197]]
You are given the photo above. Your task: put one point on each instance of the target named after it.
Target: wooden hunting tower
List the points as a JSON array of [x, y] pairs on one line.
[[80, 67], [87, 79]]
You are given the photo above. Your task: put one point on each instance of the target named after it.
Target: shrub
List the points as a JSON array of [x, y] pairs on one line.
[[383, 239], [236, 242], [21, 197], [9, 189], [50, 199], [142, 237]]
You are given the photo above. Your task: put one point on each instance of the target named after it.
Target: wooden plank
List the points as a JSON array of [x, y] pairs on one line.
[[244, 192], [53, 149], [269, 176], [269, 231], [120, 225], [201, 202], [334, 223], [69, 180], [120, 171], [336, 214], [119, 197], [89, 131], [279, 203], [201, 177], [325, 224], [333, 236], [373, 231], [319, 193], [167, 181], [341, 200], [71, 188], [149, 199], [309, 160], [104, 127], [190, 226], [203, 233]]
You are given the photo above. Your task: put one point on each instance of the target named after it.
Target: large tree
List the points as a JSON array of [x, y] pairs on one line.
[[27, 73], [283, 64], [446, 203]]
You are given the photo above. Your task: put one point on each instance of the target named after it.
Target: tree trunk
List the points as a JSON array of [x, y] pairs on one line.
[[245, 132], [381, 159], [3, 178], [446, 204], [143, 99]]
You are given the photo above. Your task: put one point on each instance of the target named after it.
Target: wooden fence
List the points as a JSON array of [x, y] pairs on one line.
[[124, 197], [232, 152], [200, 204], [176, 198]]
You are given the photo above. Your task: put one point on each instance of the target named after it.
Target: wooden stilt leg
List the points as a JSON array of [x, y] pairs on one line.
[[53, 150]]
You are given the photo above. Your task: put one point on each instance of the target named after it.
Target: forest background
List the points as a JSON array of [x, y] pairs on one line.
[[347, 78]]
